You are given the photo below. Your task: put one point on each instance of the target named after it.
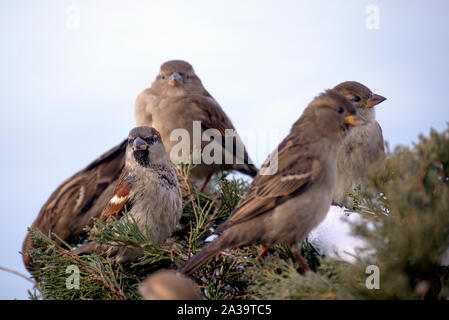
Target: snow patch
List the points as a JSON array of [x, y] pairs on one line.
[[333, 237]]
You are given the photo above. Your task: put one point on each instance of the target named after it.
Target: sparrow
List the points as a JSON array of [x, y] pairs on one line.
[[83, 196], [147, 189], [168, 285], [174, 101], [362, 146], [77, 200], [287, 204]]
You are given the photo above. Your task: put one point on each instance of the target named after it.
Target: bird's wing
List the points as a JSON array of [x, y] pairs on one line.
[[119, 200], [295, 173], [212, 116], [77, 199], [141, 113], [381, 142]]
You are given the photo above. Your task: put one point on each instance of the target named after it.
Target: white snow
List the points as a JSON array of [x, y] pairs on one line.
[[333, 236]]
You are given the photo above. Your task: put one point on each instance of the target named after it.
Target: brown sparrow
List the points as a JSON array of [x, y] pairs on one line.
[[168, 285], [83, 196], [148, 189], [362, 146], [287, 205], [80, 198], [175, 101]]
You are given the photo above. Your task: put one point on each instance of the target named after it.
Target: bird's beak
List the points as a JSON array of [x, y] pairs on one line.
[[139, 144], [375, 99], [354, 120], [174, 79]]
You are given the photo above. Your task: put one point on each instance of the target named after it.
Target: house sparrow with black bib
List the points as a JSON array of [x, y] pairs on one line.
[[362, 146], [175, 100], [147, 189], [286, 205]]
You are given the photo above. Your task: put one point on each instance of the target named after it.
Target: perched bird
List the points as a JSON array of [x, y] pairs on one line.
[[175, 101], [286, 205], [362, 146], [148, 189], [77, 200], [168, 285]]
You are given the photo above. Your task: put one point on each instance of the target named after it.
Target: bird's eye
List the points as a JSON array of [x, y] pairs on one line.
[[163, 77], [340, 110], [356, 98], [151, 140], [130, 141]]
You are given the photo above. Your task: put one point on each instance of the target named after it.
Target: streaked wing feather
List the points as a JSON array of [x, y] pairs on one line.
[[76, 196], [213, 117], [294, 175]]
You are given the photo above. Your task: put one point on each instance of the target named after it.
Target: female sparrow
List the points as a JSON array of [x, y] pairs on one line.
[[287, 205], [175, 101], [362, 146]]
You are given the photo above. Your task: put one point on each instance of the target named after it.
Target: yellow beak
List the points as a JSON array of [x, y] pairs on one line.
[[139, 144], [354, 120], [374, 100], [174, 79]]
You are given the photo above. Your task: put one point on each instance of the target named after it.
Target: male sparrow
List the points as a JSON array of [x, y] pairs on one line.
[[362, 146], [175, 100], [287, 205], [148, 189]]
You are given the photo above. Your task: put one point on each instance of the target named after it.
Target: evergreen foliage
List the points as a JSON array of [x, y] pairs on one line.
[[406, 227]]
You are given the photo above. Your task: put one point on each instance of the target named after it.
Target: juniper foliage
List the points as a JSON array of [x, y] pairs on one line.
[[406, 228], [102, 278]]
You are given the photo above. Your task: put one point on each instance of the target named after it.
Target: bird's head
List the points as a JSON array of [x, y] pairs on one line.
[[332, 115], [177, 77], [145, 147], [361, 97]]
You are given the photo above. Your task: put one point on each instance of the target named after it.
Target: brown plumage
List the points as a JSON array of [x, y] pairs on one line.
[[77, 200], [168, 285], [362, 147], [286, 204], [148, 189], [175, 100], [84, 195]]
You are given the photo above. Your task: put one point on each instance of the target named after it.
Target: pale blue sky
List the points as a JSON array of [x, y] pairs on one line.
[[68, 95]]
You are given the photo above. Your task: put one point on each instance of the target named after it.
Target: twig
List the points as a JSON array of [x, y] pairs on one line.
[[17, 274], [100, 277]]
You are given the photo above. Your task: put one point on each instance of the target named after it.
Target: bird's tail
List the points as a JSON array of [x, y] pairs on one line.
[[26, 248], [202, 257], [247, 168], [88, 248]]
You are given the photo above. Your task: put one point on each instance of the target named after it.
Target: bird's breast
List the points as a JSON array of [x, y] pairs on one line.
[[157, 208]]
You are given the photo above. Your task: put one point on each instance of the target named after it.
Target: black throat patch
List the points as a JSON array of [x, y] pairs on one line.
[[142, 157]]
